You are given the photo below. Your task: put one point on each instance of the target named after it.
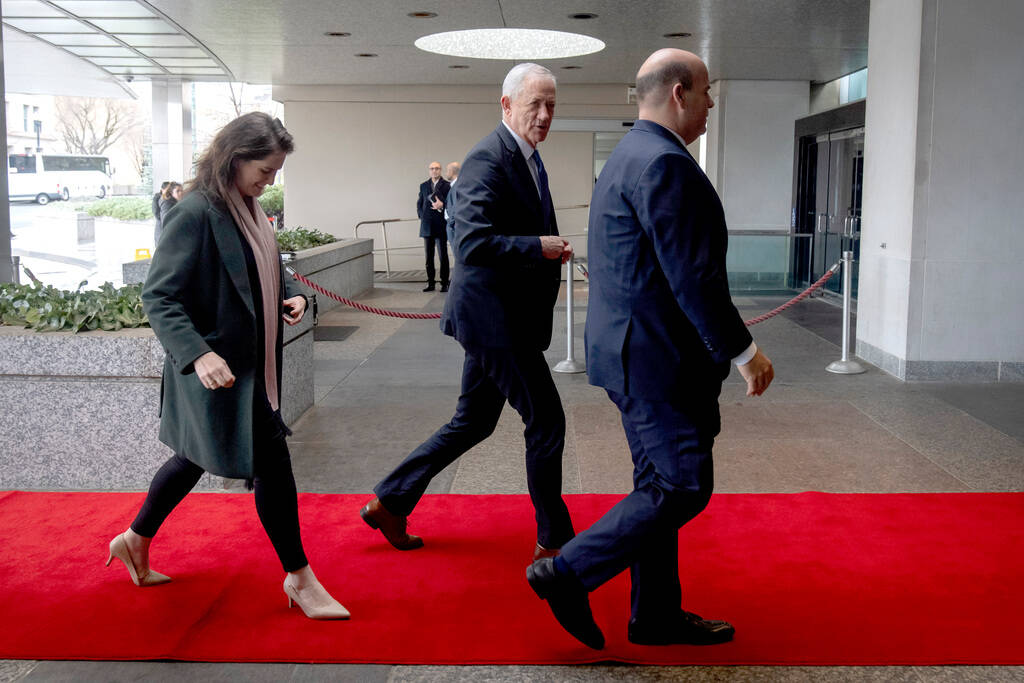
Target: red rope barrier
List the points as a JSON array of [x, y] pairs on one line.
[[362, 307], [799, 297], [435, 316]]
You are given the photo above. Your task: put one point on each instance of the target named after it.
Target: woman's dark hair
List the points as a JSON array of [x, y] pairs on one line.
[[251, 136], [169, 188]]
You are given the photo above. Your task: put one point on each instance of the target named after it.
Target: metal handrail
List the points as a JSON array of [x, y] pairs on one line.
[[383, 222]]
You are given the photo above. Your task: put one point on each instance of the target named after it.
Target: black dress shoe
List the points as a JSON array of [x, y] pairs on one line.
[[429, 288], [444, 287], [687, 629], [567, 600]]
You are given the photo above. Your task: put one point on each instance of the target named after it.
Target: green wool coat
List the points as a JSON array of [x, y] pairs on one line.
[[198, 299]]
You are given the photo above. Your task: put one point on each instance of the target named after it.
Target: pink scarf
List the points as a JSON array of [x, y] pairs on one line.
[[260, 236]]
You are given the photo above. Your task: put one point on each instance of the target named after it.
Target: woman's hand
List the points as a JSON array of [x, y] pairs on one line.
[[295, 308], [213, 371]]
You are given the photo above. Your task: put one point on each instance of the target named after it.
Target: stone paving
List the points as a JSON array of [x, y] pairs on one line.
[[389, 383]]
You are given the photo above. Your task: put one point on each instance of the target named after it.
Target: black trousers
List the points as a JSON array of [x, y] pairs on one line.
[[489, 378], [442, 249], [275, 494], [673, 478]]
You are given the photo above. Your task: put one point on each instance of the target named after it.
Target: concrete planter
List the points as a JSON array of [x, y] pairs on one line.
[[81, 410], [344, 267]]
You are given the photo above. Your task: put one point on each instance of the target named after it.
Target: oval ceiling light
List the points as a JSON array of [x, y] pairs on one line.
[[510, 43]]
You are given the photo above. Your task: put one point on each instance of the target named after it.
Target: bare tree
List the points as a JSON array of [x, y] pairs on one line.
[[237, 98], [136, 144], [90, 125]]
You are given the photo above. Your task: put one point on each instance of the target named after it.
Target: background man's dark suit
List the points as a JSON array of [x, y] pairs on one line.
[[500, 310], [661, 333], [432, 226]]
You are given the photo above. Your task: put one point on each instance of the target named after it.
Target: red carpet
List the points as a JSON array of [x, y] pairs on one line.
[[807, 579]]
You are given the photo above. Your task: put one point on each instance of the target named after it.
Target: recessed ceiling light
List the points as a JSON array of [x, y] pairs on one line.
[[583, 15], [572, 66], [680, 34], [510, 43], [337, 34], [422, 15], [366, 54], [458, 66]]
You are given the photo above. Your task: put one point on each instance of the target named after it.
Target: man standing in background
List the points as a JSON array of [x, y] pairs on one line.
[[453, 175], [430, 211]]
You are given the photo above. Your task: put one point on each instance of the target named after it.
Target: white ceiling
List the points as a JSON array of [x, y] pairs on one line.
[[282, 42]]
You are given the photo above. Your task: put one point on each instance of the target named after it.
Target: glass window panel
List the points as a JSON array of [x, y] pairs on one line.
[[166, 40], [108, 8], [28, 8], [23, 162], [66, 39], [135, 70], [181, 71], [173, 52], [101, 51], [134, 25], [120, 61], [168, 61], [64, 25]]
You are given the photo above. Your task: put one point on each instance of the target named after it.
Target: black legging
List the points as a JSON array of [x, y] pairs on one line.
[[275, 493]]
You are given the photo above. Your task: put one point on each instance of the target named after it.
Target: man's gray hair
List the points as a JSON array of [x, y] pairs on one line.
[[513, 85]]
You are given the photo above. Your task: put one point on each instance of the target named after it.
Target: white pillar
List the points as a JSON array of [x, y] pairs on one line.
[[942, 238], [168, 138], [6, 269]]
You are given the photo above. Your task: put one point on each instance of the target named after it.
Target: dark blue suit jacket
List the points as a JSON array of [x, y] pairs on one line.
[[661, 324], [503, 290], [431, 220]]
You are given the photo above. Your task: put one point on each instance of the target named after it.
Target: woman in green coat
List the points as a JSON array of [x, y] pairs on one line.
[[215, 296]]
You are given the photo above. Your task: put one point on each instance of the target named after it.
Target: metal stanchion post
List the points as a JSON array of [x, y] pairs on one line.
[[570, 364], [845, 365], [16, 269]]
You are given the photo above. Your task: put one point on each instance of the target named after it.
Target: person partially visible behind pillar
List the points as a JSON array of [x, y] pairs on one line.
[[157, 223]]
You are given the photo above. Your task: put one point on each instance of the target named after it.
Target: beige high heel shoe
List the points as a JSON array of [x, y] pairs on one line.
[[119, 549], [332, 611]]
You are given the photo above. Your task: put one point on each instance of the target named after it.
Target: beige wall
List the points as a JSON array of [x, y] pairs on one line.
[[361, 152]]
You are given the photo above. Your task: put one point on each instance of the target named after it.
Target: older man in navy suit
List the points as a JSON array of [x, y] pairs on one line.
[[661, 335], [506, 278]]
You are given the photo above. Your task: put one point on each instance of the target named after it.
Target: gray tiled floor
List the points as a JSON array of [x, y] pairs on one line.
[[390, 383]]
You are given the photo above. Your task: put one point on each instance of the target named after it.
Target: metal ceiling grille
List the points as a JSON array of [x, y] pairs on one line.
[[125, 38]]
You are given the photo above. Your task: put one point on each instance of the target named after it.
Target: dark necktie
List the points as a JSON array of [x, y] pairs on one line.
[[545, 194]]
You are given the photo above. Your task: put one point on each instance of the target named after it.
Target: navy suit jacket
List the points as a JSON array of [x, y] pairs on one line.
[[661, 324], [503, 290], [431, 220]]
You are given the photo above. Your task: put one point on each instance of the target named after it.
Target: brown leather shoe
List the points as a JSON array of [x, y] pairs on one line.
[[392, 526], [541, 552]]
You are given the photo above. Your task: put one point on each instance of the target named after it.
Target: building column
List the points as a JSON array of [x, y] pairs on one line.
[[169, 133], [6, 266], [942, 239], [748, 155]]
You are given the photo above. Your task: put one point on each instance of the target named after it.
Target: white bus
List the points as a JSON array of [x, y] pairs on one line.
[[42, 177]]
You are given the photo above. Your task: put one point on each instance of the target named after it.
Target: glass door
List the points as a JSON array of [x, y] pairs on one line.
[[829, 205]]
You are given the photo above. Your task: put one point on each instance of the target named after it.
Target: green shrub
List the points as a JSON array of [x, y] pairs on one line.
[[123, 208], [301, 238], [47, 309], [272, 200]]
